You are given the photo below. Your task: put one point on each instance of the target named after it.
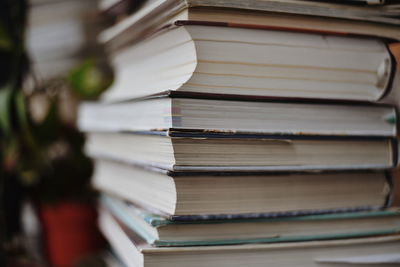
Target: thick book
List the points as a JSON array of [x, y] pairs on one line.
[[208, 193], [203, 150], [336, 9], [161, 231], [216, 59], [296, 15], [271, 116], [379, 251]]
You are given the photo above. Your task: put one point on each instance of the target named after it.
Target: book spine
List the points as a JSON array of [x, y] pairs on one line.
[[395, 196], [394, 52], [395, 151]]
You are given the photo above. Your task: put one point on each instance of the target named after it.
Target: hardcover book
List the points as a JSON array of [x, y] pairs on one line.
[[206, 193], [382, 251], [167, 231], [268, 116], [294, 15], [219, 151], [204, 58]]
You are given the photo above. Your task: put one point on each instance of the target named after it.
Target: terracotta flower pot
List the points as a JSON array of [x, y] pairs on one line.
[[70, 232]]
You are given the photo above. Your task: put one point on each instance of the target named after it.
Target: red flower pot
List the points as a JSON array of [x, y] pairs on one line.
[[70, 232]]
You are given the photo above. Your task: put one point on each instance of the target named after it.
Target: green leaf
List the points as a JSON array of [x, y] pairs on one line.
[[23, 121], [49, 129], [89, 79], [22, 114], [5, 41], [5, 110]]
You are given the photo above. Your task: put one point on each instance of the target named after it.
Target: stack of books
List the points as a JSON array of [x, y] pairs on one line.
[[248, 133]]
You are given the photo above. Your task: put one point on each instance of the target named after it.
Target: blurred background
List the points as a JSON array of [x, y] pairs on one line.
[[50, 61]]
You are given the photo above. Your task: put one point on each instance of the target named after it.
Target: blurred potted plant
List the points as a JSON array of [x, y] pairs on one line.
[[63, 188], [41, 152], [58, 174]]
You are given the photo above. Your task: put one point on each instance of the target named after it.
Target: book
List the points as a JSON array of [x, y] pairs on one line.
[[382, 251], [163, 231], [271, 116], [254, 62], [205, 193], [395, 174], [393, 97], [329, 9], [157, 14], [201, 150]]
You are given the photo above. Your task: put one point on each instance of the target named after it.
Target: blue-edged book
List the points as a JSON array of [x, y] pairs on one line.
[[163, 231]]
